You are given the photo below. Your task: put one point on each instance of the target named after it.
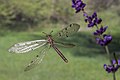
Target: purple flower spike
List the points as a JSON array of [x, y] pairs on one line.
[[105, 41], [91, 24], [100, 31], [100, 42], [112, 68], [85, 14], [119, 62], [99, 21], [114, 62], [94, 15], [108, 68], [78, 5], [92, 20]]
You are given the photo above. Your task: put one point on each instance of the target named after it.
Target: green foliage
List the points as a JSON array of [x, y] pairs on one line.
[[24, 14], [19, 14]]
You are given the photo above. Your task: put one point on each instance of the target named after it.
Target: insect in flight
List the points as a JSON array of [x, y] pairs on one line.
[[24, 47]]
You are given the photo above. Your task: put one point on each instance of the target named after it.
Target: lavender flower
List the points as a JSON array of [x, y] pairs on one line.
[[112, 68], [92, 20], [100, 31], [107, 38], [114, 62], [105, 41], [101, 38], [78, 5]]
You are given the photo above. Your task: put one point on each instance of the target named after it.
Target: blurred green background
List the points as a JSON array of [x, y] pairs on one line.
[[25, 20]]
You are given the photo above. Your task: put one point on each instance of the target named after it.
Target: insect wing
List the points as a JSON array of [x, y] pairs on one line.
[[37, 60], [27, 46], [67, 31]]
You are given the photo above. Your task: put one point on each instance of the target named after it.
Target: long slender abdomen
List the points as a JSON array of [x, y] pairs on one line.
[[60, 54]]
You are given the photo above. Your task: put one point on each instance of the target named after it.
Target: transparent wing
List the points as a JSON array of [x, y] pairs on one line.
[[37, 60], [67, 31], [27, 46]]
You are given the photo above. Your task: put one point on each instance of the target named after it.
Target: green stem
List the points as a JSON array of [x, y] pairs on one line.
[[114, 78], [108, 53]]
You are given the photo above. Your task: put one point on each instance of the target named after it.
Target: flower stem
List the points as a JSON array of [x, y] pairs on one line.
[[108, 53], [114, 78], [110, 59]]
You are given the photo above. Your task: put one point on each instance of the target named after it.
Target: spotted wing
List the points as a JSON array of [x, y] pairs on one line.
[[37, 60], [67, 31], [27, 46]]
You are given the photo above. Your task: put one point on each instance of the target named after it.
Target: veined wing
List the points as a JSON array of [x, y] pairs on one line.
[[37, 60], [67, 31], [27, 46]]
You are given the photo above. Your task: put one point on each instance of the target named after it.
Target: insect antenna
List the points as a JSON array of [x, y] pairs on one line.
[[51, 32], [47, 34]]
